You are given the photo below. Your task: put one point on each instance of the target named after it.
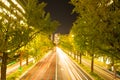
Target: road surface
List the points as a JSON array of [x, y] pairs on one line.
[[43, 70], [67, 69], [100, 70], [56, 66]]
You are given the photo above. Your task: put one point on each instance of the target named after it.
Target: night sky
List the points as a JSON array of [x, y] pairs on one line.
[[61, 10]]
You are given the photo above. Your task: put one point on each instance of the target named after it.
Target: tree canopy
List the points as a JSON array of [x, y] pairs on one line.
[[98, 25], [20, 22]]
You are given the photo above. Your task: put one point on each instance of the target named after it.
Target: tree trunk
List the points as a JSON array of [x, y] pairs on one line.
[[80, 58], [27, 60], [114, 68], [114, 71], [74, 55], [21, 59], [92, 63], [77, 56], [4, 66]]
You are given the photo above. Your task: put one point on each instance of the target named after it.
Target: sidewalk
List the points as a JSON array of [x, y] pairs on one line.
[[12, 68], [101, 71], [15, 66]]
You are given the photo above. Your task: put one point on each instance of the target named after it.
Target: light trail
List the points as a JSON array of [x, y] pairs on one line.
[[43, 70], [56, 66], [74, 72]]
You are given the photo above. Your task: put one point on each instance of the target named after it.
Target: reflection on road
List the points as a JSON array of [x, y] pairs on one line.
[[55, 66], [43, 70], [67, 69]]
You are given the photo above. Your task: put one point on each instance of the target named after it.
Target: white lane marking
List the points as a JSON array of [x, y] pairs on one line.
[[63, 55], [76, 67], [63, 61], [73, 70]]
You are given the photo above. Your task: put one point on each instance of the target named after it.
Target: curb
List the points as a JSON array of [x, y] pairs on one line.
[[80, 67]]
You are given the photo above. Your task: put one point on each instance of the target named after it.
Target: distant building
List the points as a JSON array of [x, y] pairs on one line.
[[56, 38]]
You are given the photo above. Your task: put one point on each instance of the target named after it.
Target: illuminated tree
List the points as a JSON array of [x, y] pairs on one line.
[[64, 42], [39, 45], [19, 25], [97, 25]]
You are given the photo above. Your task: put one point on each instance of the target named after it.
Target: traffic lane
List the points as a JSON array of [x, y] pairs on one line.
[[50, 72], [101, 71], [62, 70], [82, 75], [43, 70], [67, 69]]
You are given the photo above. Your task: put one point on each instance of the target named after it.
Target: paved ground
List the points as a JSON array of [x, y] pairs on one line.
[[43, 70], [56, 66], [100, 70]]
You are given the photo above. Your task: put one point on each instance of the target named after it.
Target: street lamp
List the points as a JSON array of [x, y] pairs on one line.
[[72, 36]]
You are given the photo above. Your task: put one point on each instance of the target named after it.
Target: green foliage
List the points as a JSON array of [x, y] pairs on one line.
[[64, 42], [19, 25], [40, 19], [49, 24], [97, 26], [39, 45], [15, 33], [34, 13], [16, 74]]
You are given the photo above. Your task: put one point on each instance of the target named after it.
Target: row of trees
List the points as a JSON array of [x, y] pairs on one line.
[[96, 29], [20, 22], [35, 49], [39, 45]]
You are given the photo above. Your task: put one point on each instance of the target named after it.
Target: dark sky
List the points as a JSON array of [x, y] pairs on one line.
[[60, 10]]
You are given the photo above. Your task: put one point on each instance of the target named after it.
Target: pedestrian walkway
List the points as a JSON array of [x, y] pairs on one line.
[[101, 71], [16, 66], [13, 67]]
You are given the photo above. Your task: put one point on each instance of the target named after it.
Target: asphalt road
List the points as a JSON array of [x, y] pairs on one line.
[[101, 71], [56, 66], [67, 69], [43, 70]]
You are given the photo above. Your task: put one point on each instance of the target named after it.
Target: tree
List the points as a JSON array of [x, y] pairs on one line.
[[111, 32], [64, 42], [98, 24], [19, 25], [40, 44]]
